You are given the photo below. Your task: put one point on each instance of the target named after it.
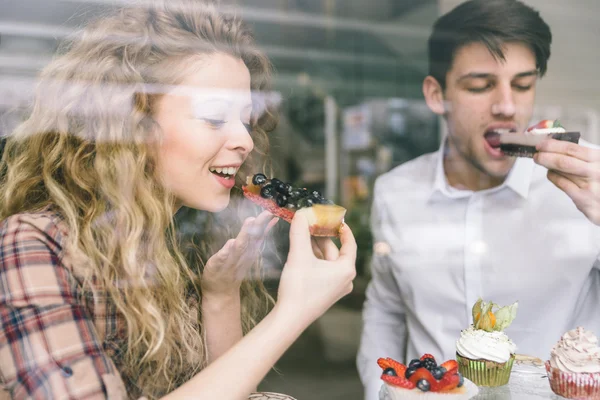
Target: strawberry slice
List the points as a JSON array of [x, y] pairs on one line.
[[448, 382], [385, 363], [399, 381], [422, 373], [450, 365], [545, 124], [427, 356]]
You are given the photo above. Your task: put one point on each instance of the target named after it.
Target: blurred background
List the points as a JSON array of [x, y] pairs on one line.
[[348, 76]]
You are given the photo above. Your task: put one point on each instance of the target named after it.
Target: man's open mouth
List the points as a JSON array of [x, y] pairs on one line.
[[493, 136]]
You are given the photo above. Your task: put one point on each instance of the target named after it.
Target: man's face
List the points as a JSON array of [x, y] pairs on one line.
[[484, 94]]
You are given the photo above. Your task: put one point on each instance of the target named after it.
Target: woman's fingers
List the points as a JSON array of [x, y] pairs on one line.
[[327, 248], [348, 249]]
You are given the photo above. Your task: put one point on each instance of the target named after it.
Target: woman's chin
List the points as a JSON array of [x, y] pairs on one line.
[[217, 204]]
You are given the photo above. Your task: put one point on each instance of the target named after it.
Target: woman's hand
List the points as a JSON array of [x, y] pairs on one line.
[[226, 269], [316, 274]]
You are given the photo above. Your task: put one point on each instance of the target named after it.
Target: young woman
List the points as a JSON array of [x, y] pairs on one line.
[[145, 111]]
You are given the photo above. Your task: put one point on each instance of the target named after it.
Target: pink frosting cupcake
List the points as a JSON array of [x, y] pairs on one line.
[[574, 365]]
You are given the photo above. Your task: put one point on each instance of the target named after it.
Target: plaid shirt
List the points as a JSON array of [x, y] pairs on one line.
[[56, 341]]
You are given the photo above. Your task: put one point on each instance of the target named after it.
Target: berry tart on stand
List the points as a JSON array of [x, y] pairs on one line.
[[424, 379]]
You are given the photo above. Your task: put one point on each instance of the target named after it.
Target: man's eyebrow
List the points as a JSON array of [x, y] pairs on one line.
[[476, 75], [533, 72], [487, 75]]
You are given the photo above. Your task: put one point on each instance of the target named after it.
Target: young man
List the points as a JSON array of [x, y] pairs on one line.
[[468, 222]]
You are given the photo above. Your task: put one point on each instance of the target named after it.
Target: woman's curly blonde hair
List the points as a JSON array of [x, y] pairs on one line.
[[87, 150]]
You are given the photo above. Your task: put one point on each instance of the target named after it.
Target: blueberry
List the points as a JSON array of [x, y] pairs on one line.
[[281, 200], [287, 188], [390, 372], [461, 380], [291, 206], [295, 194], [410, 371], [438, 372], [423, 385], [267, 191], [259, 179], [429, 363], [316, 194], [304, 202], [280, 187], [415, 363]]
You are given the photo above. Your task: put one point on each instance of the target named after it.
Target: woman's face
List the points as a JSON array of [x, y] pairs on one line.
[[206, 128]]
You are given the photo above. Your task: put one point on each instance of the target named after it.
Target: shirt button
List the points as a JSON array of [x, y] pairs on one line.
[[67, 372]]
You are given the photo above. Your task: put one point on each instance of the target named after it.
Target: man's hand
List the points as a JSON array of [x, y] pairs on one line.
[[575, 170]]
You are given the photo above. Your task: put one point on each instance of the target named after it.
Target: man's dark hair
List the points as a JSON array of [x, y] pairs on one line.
[[492, 23]]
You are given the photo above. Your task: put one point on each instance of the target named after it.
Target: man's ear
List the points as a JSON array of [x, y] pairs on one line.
[[434, 95]]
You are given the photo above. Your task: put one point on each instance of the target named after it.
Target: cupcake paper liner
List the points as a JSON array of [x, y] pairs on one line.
[[484, 372], [574, 385], [390, 392]]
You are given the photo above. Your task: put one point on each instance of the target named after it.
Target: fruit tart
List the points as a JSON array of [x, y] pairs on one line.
[[516, 144], [283, 200], [423, 379]]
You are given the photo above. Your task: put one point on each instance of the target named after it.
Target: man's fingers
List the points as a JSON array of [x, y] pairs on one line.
[[569, 149], [565, 164], [567, 185]]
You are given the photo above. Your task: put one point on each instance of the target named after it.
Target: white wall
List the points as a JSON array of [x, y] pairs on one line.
[[570, 90]]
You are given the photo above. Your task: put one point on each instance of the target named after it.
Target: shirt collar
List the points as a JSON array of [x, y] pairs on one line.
[[518, 179]]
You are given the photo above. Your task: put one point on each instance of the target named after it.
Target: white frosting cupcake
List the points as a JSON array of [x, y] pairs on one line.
[[477, 344]]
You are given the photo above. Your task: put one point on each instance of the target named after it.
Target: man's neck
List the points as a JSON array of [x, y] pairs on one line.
[[463, 174]]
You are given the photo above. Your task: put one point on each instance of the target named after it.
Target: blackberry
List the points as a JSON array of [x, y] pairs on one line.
[[259, 179], [267, 191], [281, 200], [429, 363], [390, 372], [423, 385]]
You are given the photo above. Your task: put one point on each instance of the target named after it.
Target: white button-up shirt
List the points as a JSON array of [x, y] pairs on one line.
[[438, 249]]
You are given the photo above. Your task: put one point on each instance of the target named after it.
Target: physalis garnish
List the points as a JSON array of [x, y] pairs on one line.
[[491, 317]]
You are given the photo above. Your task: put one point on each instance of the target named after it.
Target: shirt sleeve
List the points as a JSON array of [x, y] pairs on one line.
[[384, 327], [49, 347]]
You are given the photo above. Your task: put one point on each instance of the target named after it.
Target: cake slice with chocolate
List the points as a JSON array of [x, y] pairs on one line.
[[524, 144]]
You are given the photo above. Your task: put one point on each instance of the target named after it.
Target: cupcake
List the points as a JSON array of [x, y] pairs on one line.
[[574, 365], [424, 379], [484, 352]]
